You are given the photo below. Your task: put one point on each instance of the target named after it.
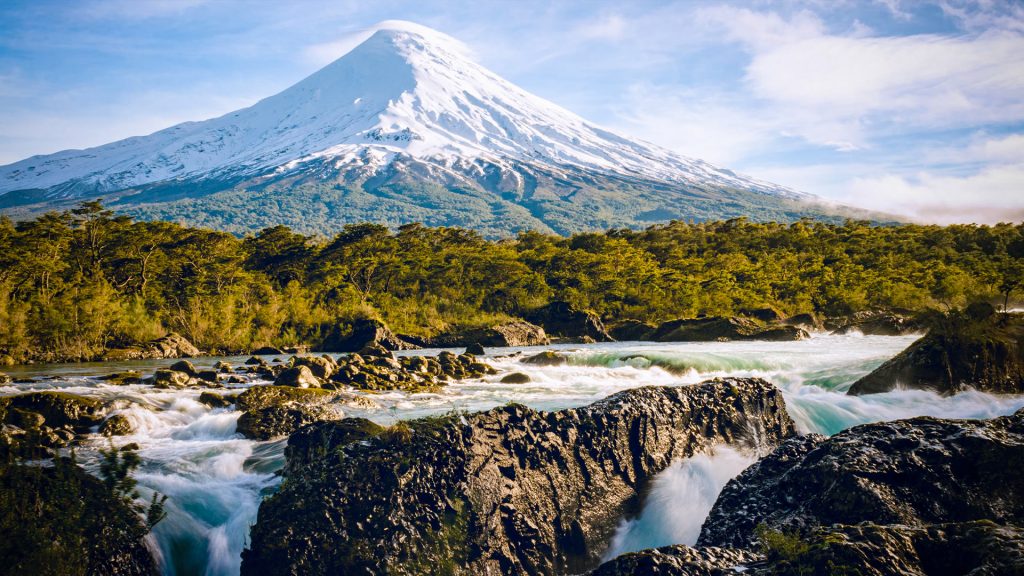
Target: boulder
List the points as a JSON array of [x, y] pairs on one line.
[[565, 320], [716, 328], [363, 333], [766, 314], [807, 321], [677, 560], [298, 377], [876, 323], [518, 333], [506, 491], [209, 376], [977, 547], [61, 520], [273, 411], [117, 425], [546, 358], [321, 366], [515, 378], [184, 366], [222, 366], [170, 346], [631, 331], [963, 351], [123, 378], [909, 472], [255, 361], [171, 379], [58, 409], [5, 379], [215, 400], [278, 421], [475, 348]]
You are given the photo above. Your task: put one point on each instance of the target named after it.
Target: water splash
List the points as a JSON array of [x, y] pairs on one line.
[[680, 498], [216, 480]]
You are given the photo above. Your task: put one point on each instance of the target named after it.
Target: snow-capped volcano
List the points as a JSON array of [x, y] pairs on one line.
[[406, 107]]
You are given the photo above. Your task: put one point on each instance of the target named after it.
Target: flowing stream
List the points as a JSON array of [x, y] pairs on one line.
[[215, 479]]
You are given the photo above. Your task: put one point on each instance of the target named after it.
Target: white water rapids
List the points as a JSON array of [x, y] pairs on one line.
[[215, 479]]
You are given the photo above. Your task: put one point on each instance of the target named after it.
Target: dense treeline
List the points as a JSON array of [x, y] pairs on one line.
[[75, 283]]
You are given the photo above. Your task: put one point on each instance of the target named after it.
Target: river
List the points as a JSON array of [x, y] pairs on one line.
[[215, 479]]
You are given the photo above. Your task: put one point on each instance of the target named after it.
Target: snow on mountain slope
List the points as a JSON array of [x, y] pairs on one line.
[[407, 92]]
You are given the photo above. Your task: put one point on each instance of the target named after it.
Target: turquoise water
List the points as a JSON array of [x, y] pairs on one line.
[[215, 479]]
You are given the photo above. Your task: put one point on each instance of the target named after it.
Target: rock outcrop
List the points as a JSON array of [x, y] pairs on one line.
[[363, 333], [170, 346], [914, 472], [977, 349], [519, 333], [35, 423], [716, 328], [631, 330], [878, 323], [60, 520], [978, 547], [565, 320], [677, 561], [274, 411], [509, 490]]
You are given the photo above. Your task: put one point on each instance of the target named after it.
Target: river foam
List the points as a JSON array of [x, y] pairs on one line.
[[215, 479]]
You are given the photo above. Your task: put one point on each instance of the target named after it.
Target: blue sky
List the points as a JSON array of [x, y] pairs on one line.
[[914, 107]]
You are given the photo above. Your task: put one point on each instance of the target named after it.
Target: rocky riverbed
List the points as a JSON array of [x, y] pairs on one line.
[[198, 446]]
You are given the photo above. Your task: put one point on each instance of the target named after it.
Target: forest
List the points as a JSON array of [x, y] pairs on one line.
[[75, 283]]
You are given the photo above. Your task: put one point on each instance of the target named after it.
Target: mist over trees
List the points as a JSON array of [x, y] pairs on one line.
[[75, 283]]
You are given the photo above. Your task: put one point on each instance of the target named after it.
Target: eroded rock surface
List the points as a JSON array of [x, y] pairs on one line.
[[909, 472], [979, 349], [506, 491]]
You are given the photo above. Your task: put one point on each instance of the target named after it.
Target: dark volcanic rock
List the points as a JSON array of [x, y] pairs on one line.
[[713, 328], [116, 425], [363, 333], [170, 346], [214, 400], [507, 491], [979, 548], [546, 358], [60, 520], [913, 472], [275, 411], [500, 335], [564, 319], [677, 561], [767, 314], [806, 321], [879, 324], [184, 366], [631, 330], [984, 352], [58, 409], [476, 349], [298, 376], [171, 379]]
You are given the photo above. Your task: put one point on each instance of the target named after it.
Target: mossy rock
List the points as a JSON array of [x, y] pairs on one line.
[[516, 378], [61, 409], [117, 425]]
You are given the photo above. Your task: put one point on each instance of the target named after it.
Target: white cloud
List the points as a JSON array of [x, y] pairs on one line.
[[712, 127], [842, 90], [606, 27], [990, 196]]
